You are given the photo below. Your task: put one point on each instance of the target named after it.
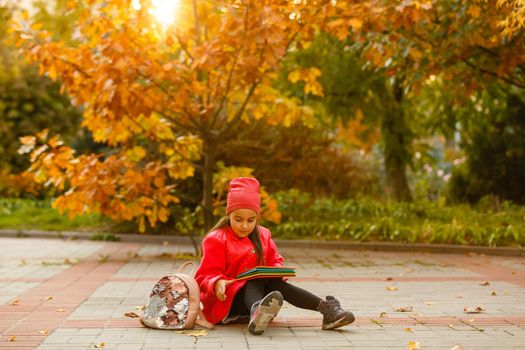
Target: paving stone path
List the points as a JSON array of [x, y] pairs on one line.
[[60, 294]]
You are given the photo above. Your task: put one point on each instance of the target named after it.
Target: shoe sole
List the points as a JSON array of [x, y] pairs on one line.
[[266, 311], [343, 321]]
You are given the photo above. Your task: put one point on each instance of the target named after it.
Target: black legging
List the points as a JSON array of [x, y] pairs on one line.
[[255, 290]]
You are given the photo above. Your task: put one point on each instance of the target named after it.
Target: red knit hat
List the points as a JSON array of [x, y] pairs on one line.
[[243, 193]]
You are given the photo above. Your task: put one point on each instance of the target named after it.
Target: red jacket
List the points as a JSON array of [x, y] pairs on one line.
[[225, 255]]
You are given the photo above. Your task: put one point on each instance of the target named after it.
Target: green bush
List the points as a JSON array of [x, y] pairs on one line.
[[493, 140], [365, 219], [308, 217]]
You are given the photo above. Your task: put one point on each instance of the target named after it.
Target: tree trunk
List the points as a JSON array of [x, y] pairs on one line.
[[396, 180], [397, 137], [207, 184]]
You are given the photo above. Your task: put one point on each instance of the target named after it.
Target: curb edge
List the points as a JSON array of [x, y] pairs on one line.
[[338, 245]]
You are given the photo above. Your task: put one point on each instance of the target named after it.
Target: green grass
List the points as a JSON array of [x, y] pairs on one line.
[[39, 215]]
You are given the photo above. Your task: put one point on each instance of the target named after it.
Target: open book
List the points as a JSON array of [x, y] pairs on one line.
[[267, 272]]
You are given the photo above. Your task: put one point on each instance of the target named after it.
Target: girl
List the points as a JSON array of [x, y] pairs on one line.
[[237, 244]]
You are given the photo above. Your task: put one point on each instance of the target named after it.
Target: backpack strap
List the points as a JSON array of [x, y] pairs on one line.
[[187, 263], [202, 321]]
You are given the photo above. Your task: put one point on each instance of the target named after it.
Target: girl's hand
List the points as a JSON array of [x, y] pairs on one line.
[[220, 288]]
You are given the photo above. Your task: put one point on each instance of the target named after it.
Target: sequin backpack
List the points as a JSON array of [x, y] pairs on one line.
[[174, 303]]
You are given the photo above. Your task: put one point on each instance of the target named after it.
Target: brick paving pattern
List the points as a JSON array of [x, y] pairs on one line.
[[60, 294]]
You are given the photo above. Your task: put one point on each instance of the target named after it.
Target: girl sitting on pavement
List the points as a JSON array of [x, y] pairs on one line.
[[237, 244]]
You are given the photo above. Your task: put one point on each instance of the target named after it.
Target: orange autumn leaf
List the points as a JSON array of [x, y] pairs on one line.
[[474, 11], [309, 76]]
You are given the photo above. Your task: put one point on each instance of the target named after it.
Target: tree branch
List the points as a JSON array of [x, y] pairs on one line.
[[154, 137], [184, 47], [494, 74], [192, 120], [200, 74], [239, 113], [197, 26], [177, 123], [196, 127], [76, 66], [228, 86], [487, 50]]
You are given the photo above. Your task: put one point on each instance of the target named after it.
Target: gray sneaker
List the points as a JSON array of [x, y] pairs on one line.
[[333, 315], [263, 312]]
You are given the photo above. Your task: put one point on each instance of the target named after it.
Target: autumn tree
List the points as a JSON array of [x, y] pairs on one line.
[[514, 22], [163, 97], [28, 103], [464, 41], [360, 104], [468, 44]]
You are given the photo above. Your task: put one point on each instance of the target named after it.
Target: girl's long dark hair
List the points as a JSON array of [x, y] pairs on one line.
[[253, 236]]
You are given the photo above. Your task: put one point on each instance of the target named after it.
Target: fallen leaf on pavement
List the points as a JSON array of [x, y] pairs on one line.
[[11, 339], [51, 263], [413, 345], [486, 283], [451, 326], [382, 314], [43, 332], [456, 347], [141, 307], [132, 255], [493, 293], [473, 310], [102, 258], [131, 314], [68, 261], [176, 256], [100, 345], [404, 308], [194, 332], [376, 322], [410, 330], [15, 302], [48, 298], [391, 288], [388, 279]]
